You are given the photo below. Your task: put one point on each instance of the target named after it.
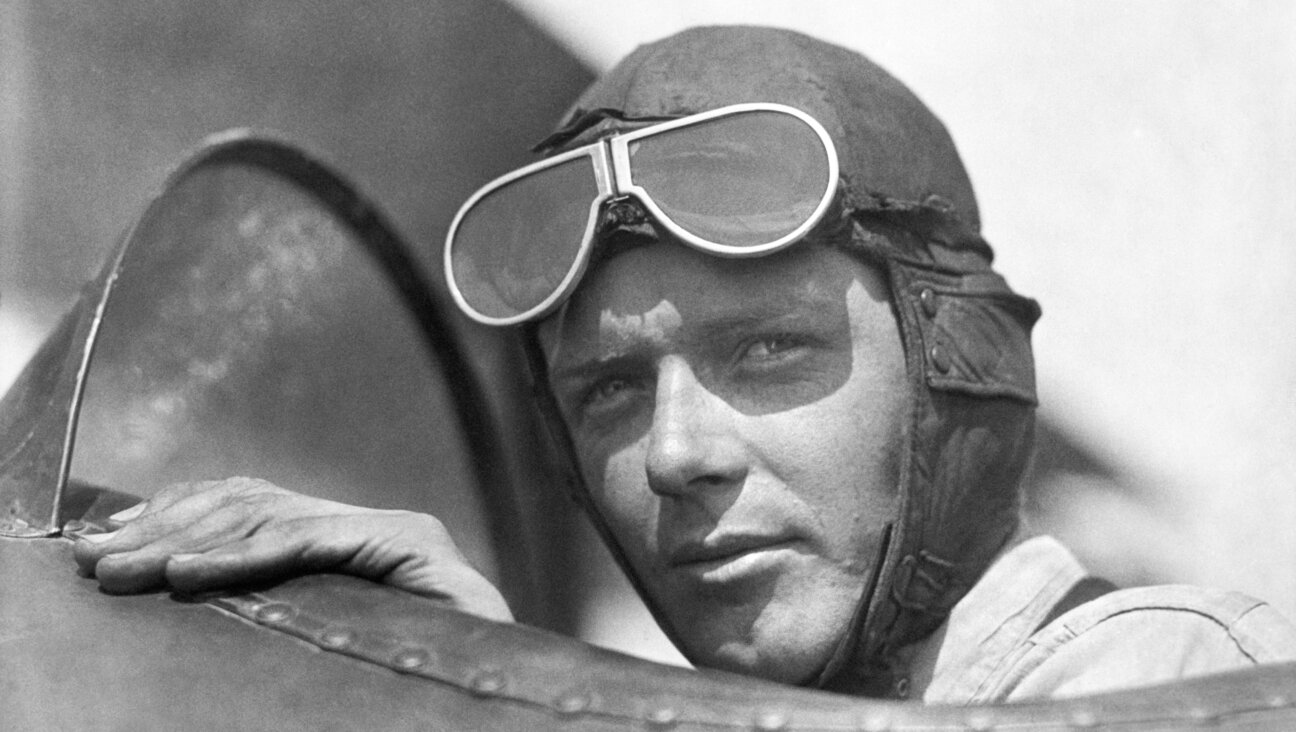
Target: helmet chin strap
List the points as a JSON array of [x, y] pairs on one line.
[[849, 641]]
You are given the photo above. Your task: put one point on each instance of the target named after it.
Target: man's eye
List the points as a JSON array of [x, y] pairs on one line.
[[606, 391], [768, 347]]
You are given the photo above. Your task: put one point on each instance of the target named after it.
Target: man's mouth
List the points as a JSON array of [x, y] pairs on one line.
[[731, 557]]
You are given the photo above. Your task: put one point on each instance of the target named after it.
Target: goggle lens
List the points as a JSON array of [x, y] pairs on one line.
[[741, 181], [513, 249]]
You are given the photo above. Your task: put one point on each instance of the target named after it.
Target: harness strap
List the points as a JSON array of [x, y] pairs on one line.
[[1089, 588]]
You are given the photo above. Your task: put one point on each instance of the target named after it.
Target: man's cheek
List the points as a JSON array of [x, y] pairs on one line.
[[620, 487]]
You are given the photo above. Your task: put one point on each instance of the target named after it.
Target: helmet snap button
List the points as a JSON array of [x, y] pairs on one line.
[[940, 358], [928, 300]]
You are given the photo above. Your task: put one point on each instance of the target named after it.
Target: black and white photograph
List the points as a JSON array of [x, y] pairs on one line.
[[543, 364]]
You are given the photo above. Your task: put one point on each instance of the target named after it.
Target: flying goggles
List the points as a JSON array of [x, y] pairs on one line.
[[739, 181]]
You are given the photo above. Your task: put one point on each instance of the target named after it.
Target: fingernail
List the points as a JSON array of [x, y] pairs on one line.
[[131, 513], [183, 557], [99, 538]]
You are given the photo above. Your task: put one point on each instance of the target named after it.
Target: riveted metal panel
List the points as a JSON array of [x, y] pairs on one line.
[[332, 652]]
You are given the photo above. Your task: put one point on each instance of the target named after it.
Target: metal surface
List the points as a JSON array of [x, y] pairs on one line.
[[262, 319], [38, 417], [330, 652]]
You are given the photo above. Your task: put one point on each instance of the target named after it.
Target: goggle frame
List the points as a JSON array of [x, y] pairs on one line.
[[610, 159]]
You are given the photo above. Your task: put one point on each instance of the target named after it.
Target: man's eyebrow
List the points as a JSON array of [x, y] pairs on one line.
[[802, 307], [588, 368], [747, 320], [623, 356]]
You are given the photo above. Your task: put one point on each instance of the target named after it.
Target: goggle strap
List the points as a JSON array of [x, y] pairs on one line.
[[585, 119], [933, 219]]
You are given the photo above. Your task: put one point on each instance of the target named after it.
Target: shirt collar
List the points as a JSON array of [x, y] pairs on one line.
[[993, 620]]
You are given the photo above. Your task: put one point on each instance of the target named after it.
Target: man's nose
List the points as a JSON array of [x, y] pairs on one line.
[[693, 442]]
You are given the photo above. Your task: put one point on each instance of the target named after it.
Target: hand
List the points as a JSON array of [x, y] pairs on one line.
[[195, 537]]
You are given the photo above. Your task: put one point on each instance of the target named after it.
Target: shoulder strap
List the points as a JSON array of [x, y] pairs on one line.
[[1089, 588]]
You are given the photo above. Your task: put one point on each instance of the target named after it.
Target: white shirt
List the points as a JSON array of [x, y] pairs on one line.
[[989, 650]]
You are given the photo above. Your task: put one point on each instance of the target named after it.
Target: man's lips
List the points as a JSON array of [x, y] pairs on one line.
[[718, 549]]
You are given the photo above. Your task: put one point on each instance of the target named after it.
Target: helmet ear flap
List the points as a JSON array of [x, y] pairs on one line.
[[974, 342], [555, 432], [966, 337]]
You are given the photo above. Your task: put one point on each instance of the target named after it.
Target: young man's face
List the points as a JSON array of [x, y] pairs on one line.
[[738, 424]]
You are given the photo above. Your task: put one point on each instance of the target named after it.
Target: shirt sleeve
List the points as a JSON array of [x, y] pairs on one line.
[[1148, 636]]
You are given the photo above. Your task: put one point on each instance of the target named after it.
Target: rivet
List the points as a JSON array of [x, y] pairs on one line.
[[1278, 701], [573, 703], [411, 658], [663, 718], [488, 683], [771, 721], [1083, 719], [928, 300], [876, 722], [336, 638], [940, 358], [275, 612], [902, 687], [1201, 716]]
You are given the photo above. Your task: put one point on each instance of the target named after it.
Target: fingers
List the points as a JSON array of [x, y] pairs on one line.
[[185, 518], [129, 514], [200, 537], [146, 523], [270, 554], [134, 558], [199, 497]]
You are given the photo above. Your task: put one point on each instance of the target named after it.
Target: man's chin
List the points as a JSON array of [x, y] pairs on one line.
[[794, 671], [782, 626], [792, 656]]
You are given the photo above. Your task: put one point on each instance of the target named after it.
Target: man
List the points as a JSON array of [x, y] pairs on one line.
[[798, 399]]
